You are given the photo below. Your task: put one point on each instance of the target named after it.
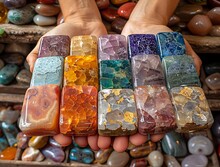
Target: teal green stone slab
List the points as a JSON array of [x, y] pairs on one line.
[[8, 73], [48, 70], [10, 131], [115, 74]]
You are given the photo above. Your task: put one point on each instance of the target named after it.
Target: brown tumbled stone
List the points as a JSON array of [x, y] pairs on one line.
[[214, 15], [215, 31], [174, 20], [47, 10]]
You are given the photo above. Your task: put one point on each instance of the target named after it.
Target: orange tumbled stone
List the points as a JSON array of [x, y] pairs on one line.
[[8, 153], [81, 70], [78, 114], [3, 13], [40, 111]]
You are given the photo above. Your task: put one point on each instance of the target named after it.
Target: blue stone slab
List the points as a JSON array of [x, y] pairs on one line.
[[170, 43], [139, 44], [48, 70], [10, 131], [8, 73], [84, 155]]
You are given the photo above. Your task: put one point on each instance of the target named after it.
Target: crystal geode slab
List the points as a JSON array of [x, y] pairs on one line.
[[115, 74], [83, 45], [139, 44], [147, 70], [78, 111], [54, 45], [180, 71], [48, 70], [112, 47], [81, 70], [192, 109], [170, 43], [116, 112], [40, 111], [155, 111]]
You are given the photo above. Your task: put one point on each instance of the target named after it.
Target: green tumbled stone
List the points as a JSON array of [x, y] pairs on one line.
[[8, 73]]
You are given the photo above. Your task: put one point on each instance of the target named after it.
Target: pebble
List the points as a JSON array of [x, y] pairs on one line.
[[21, 48], [155, 158], [22, 140], [118, 159], [12, 4], [174, 20], [8, 153], [140, 162], [44, 20], [32, 154], [213, 81], [54, 143], [215, 31], [109, 14], [13, 58], [24, 77], [118, 24], [195, 161], [126, 9], [47, 10], [9, 116], [8, 73], [102, 156], [214, 15], [216, 127], [55, 154], [38, 141], [171, 161], [83, 155], [102, 4]]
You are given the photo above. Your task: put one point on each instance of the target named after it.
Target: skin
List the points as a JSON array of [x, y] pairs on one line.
[[82, 17]]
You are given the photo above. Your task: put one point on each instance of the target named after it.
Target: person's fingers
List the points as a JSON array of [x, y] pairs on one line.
[[156, 138], [93, 142], [63, 140], [81, 141], [138, 139], [104, 142], [120, 143]]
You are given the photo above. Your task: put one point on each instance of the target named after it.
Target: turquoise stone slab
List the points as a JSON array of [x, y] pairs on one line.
[[48, 70], [170, 43], [174, 144], [8, 73], [84, 155], [115, 74], [180, 71], [3, 143], [10, 131]]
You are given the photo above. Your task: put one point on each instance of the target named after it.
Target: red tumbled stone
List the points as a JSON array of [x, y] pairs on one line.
[[126, 9], [110, 14]]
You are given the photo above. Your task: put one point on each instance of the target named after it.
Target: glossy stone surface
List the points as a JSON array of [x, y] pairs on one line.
[[13, 58], [78, 113], [47, 10], [8, 153], [54, 143], [155, 111], [48, 70], [38, 142], [140, 162], [115, 74], [44, 20], [171, 161], [180, 71], [9, 116], [102, 4], [155, 158], [102, 155], [214, 3], [118, 2], [54, 45], [213, 67], [147, 70], [109, 14], [214, 15], [118, 24], [84, 155], [143, 150], [3, 14], [32, 154], [83, 45], [170, 43], [22, 15], [8, 73], [200, 25], [192, 109], [118, 159], [23, 140], [126, 9], [116, 112], [173, 21], [215, 31], [195, 160], [10, 131], [112, 47], [140, 44], [24, 77], [174, 144], [3, 143], [62, 140], [55, 154], [12, 4], [213, 81], [40, 111], [18, 48], [216, 127], [200, 145]]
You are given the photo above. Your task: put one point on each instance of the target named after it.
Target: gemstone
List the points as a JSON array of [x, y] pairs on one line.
[[38, 142], [11, 4], [47, 10], [53, 142], [10, 131], [118, 24], [63, 140], [216, 127], [192, 109], [48, 70], [78, 113], [102, 4], [171, 161], [4, 12], [147, 70], [83, 45], [195, 160], [32, 154], [46, 1], [215, 31], [20, 48], [173, 21], [213, 81], [118, 2], [23, 140], [112, 47], [3, 143], [102, 155], [54, 45], [143, 150], [40, 112], [213, 67], [55, 154], [118, 159], [200, 145], [13, 58], [24, 77], [9, 116], [116, 112], [214, 15], [8, 153], [44, 20], [8, 73], [170, 43], [109, 14], [141, 44], [140, 162], [115, 74], [174, 144], [155, 158], [84, 155], [155, 110], [180, 71], [126, 9]]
